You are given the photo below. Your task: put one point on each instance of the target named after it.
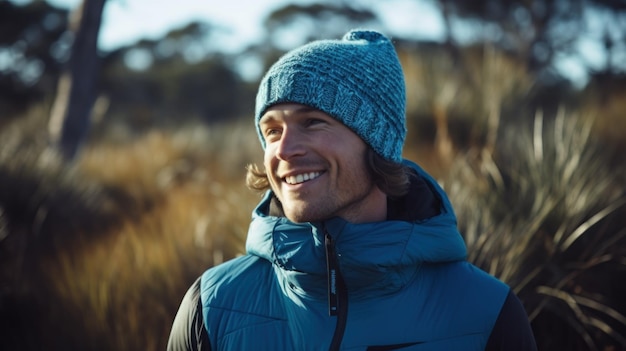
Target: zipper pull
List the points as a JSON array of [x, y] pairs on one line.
[[337, 292], [331, 266]]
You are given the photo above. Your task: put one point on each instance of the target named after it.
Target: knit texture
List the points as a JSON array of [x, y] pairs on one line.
[[358, 80]]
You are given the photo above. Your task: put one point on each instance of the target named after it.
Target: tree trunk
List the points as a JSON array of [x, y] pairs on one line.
[[77, 88]]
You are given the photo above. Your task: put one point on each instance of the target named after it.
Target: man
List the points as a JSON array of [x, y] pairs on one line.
[[352, 247]]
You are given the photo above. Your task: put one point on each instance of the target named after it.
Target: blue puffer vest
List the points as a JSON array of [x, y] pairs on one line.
[[337, 285]]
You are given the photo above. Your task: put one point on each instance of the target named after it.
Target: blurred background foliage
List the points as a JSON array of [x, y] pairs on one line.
[[98, 247]]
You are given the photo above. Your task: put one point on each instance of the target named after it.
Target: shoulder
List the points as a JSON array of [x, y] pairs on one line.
[[188, 328], [214, 290], [512, 330], [240, 302], [244, 271], [245, 283], [487, 296], [469, 280], [484, 292], [465, 297]]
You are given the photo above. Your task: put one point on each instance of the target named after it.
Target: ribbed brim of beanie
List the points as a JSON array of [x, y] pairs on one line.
[[358, 80]]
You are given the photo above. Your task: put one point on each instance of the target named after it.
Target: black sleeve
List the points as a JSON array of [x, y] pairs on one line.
[[188, 331], [512, 331]]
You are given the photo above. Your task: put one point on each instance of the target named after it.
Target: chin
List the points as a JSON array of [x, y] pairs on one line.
[[300, 217], [296, 217]]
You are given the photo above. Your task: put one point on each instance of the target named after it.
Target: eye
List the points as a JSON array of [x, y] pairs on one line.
[[271, 134], [314, 121]]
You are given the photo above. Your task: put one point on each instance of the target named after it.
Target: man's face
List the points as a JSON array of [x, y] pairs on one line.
[[316, 167]]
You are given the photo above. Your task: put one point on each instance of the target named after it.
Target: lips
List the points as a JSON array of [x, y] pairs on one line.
[[301, 178]]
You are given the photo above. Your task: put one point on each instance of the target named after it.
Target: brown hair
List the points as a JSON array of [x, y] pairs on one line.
[[390, 177]]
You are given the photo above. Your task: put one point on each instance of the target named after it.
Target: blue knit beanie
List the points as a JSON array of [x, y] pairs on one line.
[[357, 80]]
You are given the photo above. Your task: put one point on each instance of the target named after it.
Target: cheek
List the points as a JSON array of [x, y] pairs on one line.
[[268, 156], [269, 161]]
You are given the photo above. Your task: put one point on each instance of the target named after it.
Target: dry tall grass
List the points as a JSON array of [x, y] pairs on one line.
[[98, 255], [546, 214], [462, 95]]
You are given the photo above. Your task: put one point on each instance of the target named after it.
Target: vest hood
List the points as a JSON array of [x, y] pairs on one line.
[[379, 257]]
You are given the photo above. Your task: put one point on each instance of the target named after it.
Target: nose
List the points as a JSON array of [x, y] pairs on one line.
[[291, 144]]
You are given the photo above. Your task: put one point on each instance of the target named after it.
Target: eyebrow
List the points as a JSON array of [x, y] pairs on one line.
[[303, 109], [266, 118]]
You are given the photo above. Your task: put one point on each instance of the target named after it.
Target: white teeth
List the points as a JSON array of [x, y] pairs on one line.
[[301, 178]]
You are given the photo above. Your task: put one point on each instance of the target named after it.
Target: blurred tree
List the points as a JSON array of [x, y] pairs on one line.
[[179, 77], [33, 45], [77, 89], [293, 25], [541, 31]]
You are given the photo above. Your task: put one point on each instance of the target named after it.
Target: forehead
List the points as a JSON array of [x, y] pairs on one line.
[[288, 109]]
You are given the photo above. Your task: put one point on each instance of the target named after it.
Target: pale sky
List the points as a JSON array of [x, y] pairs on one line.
[[125, 21]]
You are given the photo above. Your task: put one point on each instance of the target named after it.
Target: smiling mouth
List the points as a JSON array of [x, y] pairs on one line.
[[301, 178]]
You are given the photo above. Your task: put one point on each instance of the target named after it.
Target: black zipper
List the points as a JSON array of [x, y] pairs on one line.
[[337, 292]]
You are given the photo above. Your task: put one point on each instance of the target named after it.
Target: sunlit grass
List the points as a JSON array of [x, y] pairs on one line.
[[102, 250], [118, 237]]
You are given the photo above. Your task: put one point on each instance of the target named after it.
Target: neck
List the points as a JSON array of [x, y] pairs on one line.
[[372, 209]]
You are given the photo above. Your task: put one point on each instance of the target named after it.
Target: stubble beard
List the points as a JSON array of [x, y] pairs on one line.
[[345, 205]]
